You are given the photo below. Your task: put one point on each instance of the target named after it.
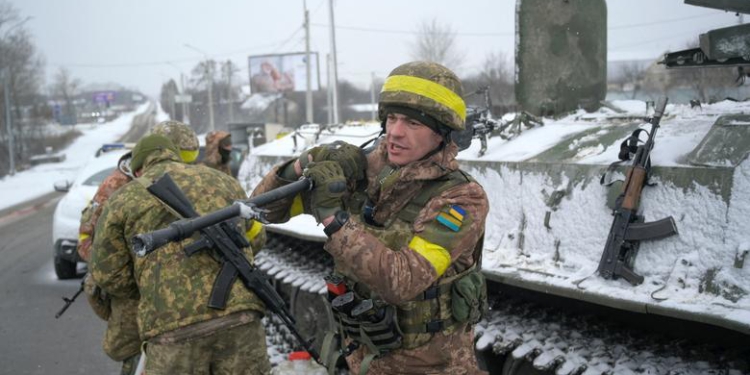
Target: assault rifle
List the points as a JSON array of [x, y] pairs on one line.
[[484, 125], [218, 232], [628, 227], [69, 301]]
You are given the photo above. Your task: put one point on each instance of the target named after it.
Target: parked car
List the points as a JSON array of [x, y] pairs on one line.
[[67, 217]]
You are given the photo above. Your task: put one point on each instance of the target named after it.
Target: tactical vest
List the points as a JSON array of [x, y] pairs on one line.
[[431, 312]]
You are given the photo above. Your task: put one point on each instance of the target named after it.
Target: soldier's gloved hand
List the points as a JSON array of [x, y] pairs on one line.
[[329, 186], [350, 157]]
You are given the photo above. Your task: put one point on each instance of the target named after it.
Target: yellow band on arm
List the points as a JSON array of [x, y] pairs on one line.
[[82, 236], [428, 89], [255, 228], [188, 156], [437, 255], [297, 207]]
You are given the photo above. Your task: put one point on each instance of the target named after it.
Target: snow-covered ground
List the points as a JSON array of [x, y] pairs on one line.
[[39, 180], [548, 221]]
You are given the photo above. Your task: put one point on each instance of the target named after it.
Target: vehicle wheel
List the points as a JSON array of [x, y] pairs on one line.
[[65, 269]]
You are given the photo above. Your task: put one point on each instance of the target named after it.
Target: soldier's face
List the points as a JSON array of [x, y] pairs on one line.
[[408, 139]]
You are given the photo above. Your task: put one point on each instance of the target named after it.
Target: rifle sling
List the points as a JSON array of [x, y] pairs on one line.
[[228, 273]]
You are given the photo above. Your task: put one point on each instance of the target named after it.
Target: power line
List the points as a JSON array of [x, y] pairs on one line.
[[191, 59], [633, 25], [383, 31]]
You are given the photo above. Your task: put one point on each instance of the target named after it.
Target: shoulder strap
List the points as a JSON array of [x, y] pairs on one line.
[[432, 189]]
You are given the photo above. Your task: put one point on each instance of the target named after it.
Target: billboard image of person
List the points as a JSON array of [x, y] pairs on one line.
[[281, 73]]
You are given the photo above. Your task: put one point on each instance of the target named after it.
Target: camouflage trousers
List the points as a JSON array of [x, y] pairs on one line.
[[236, 350], [451, 353]]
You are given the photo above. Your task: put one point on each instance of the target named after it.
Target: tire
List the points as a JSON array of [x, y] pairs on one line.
[[65, 269]]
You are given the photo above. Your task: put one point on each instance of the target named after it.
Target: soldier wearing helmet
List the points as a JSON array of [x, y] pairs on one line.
[[218, 150], [121, 339], [182, 136], [183, 334], [405, 228]]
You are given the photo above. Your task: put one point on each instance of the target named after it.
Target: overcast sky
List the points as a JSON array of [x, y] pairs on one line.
[[141, 43]]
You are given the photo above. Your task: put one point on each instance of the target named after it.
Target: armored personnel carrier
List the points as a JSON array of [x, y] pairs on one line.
[[550, 217]]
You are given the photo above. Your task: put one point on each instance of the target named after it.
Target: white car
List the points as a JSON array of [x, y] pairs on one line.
[[67, 217]]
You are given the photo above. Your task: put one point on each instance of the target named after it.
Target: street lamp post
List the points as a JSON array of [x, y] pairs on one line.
[[8, 124], [6, 94], [210, 81]]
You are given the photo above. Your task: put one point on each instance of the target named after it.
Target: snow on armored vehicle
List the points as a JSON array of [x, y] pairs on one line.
[[548, 222]]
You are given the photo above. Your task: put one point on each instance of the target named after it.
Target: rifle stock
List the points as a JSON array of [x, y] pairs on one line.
[[628, 228]]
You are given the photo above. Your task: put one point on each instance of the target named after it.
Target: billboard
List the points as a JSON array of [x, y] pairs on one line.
[[282, 72]]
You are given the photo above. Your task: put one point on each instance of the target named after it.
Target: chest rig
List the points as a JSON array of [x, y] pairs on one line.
[[365, 318]]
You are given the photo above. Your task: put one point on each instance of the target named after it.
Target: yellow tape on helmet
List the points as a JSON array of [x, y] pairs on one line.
[[188, 156], [428, 89]]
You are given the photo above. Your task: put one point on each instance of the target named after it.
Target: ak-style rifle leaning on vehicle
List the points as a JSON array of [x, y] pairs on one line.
[[628, 227], [219, 232]]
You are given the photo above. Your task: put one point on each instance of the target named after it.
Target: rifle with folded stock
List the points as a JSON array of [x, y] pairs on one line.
[[219, 232], [628, 227]]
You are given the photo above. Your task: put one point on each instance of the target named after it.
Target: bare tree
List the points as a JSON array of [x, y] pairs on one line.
[[21, 73], [436, 42], [708, 83], [632, 74], [167, 98], [65, 87]]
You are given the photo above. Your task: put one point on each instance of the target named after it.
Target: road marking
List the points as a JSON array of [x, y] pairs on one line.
[[26, 211]]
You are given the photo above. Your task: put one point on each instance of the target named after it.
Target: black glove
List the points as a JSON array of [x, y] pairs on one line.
[[329, 186], [351, 158]]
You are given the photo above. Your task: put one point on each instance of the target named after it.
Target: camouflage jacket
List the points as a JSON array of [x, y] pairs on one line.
[[91, 214], [212, 157], [398, 275], [174, 289]]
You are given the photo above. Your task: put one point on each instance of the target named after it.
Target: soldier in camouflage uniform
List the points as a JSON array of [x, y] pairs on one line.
[[183, 334], [121, 340], [405, 229], [218, 149]]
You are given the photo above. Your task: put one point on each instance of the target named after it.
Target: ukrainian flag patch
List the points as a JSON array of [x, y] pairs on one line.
[[453, 218]]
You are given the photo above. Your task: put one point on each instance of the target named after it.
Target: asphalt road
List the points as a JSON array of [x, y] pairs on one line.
[[32, 341]]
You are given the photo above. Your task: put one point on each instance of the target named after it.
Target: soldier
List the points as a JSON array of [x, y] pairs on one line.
[[218, 149], [405, 229], [182, 333], [121, 340]]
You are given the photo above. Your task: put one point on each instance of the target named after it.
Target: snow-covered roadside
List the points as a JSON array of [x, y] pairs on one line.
[[39, 180]]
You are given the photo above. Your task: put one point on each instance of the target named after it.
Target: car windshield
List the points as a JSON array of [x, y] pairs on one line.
[[97, 178]]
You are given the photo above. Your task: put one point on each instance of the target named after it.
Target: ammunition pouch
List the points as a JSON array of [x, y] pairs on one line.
[[469, 298], [378, 329]]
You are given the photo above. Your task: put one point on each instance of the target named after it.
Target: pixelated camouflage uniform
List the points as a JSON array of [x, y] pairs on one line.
[[212, 157], [174, 289], [383, 261], [121, 339]]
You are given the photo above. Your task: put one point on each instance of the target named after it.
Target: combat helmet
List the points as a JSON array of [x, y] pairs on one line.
[[424, 88], [182, 136]]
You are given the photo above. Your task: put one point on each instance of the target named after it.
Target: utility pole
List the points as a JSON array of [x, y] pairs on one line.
[[230, 72], [308, 94], [8, 124], [334, 66], [329, 92], [373, 103], [210, 82], [185, 114]]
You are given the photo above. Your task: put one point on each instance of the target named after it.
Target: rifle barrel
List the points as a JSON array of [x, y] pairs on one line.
[[148, 242]]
